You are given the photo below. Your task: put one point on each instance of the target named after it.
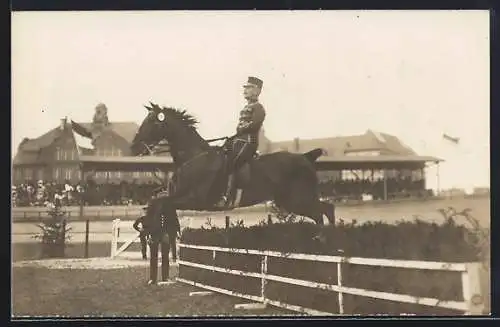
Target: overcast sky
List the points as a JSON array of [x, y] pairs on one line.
[[413, 74]]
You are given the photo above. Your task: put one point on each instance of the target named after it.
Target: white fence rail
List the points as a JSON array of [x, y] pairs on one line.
[[115, 235], [133, 237], [472, 304]]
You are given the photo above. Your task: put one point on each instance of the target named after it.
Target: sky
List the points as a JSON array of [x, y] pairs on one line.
[[412, 74]]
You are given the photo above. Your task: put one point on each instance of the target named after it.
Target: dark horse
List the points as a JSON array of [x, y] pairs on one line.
[[288, 179]]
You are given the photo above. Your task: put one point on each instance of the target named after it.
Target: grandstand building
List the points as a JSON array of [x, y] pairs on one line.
[[371, 143], [54, 155]]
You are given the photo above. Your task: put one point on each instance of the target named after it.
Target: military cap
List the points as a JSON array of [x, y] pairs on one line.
[[254, 81]]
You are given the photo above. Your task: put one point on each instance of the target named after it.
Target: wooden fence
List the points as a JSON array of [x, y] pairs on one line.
[[472, 303]]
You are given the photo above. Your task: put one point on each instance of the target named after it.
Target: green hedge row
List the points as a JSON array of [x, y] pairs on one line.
[[414, 240], [417, 240]]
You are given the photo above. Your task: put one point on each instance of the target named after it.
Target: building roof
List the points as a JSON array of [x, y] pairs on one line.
[[25, 158], [339, 146], [126, 130], [40, 142]]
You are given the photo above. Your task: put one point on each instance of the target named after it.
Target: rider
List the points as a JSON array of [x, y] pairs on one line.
[[243, 145]]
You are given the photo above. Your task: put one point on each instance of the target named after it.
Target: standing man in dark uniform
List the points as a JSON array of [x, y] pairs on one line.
[[243, 145], [142, 233]]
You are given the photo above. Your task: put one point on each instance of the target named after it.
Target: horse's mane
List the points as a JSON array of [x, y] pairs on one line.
[[180, 114]]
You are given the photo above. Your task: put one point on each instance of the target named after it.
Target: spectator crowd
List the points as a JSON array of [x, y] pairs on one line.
[[359, 189], [125, 193], [31, 194]]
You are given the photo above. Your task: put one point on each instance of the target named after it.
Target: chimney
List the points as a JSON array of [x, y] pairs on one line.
[[63, 123], [296, 144]]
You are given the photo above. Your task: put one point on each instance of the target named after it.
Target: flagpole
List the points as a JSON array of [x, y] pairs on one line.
[[438, 187]]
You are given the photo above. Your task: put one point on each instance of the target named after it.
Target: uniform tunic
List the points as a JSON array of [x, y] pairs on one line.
[[246, 141]]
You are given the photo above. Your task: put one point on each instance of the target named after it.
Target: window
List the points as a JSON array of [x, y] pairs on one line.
[[57, 173], [136, 174], [59, 154], [28, 173], [67, 173], [115, 152]]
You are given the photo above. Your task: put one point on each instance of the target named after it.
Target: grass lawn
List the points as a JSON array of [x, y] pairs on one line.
[[113, 292], [117, 292]]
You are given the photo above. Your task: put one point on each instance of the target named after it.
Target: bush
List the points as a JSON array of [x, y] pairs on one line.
[[415, 240], [53, 234]]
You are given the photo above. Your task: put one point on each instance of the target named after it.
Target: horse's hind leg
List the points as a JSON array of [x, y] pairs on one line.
[[300, 199]]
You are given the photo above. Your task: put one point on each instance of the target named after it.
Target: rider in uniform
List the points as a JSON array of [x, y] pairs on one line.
[[243, 145]]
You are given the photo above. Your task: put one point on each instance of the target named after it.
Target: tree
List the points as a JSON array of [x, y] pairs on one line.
[[54, 233]]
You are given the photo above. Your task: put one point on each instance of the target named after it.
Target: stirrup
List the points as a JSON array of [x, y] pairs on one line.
[[224, 203]]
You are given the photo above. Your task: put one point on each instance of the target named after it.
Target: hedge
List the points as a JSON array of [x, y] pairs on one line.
[[416, 240]]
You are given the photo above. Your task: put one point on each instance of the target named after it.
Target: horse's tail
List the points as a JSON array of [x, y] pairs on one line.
[[313, 155]]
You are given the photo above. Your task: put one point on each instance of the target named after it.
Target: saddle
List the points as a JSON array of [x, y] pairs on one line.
[[242, 175]]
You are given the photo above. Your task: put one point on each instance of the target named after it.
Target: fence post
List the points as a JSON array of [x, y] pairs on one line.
[[227, 222], [87, 227], [471, 289], [63, 240], [114, 235], [339, 283], [213, 260], [263, 271], [269, 219]]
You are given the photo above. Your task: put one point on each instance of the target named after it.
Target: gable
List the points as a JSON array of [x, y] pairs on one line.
[[395, 145]]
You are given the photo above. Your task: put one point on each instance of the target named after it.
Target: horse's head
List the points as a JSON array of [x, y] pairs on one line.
[[162, 124]]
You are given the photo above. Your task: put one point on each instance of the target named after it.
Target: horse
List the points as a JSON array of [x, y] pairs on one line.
[[288, 179]]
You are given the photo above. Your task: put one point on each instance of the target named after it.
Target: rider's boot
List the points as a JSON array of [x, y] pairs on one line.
[[227, 197]]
